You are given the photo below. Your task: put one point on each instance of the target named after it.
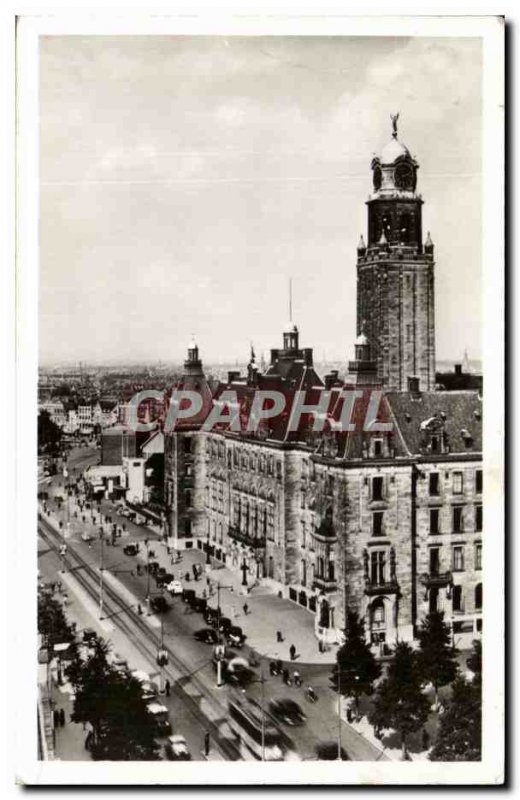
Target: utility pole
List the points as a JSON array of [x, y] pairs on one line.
[[101, 571]]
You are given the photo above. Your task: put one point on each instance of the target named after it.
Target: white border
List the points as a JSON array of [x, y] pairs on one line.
[[28, 770]]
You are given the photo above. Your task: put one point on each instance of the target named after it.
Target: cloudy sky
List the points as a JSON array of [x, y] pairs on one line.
[[184, 179]]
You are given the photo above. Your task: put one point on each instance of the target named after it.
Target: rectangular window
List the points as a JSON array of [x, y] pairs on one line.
[[408, 333], [457, 519], [188, 472], [434, 520], [187, 445], [378, 448], [304, 537], [478, 518], [378, 567], [434, 484], [457, 598], [457, 483], [187, 527], [377, 488], [478, 481], [478, 556], [434, 560], [458, 559], [377, 523]]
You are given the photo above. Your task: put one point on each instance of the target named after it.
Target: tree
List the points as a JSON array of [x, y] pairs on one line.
[[52, 623], [49, 434], [112, 703], [356, 668], [474, 663], [399, 703], [436, 656], [460, 730]]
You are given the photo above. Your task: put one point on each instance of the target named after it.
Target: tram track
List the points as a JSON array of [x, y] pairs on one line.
[[130, 623]]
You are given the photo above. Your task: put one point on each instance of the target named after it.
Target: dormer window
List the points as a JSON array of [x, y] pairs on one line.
[[378, 448], [434, 444]]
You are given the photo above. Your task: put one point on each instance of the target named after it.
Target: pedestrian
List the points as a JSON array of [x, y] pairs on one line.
[[425, 739], [206, 743], [62, 717], [292, 652], [139, 609], [320, 646], [234, 612], [167, 687], [246, 609], [56, 718], [279, 637], [172, 560]]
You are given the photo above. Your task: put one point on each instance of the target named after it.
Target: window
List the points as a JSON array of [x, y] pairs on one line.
[[377, 488], [434, 444], [408, 333], [187, 527], [188, 471], [478, 518], [457, 519], [302, 499], [304, 537], [478, 596], [434, 560], [458, 559], [434, 484], [478, 556], [434, 520], [303, 572], [378, 614], [457, 598], [332, 571], [478, 481], [377, 523], [378, 447], [187, 445], [457, 483], [187, 499], [378, 566], [433, 600]]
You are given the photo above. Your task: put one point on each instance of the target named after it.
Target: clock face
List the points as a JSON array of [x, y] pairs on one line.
[[377, 178], [404, 178]]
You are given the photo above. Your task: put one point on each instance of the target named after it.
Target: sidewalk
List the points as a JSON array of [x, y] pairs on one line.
[[267, 613]]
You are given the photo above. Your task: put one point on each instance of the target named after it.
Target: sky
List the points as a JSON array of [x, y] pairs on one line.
[[185, 179]]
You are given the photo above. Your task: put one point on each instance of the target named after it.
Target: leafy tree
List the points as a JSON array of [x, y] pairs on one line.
[[460, 730], [112, 702], [52, 623], [436, 656], [356, 668], [399, 703], [474, 662], [49, 434]]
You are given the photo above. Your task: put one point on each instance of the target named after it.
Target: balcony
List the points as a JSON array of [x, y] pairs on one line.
[[436, 580], [373, 589], [239, 536], [323, 584]]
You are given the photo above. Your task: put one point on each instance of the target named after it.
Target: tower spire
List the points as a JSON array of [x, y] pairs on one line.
[[394, 118]]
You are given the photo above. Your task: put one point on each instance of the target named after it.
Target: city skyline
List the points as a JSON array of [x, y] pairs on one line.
[[279, 132]]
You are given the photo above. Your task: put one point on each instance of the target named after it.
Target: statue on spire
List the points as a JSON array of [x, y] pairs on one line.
[[394, 118]]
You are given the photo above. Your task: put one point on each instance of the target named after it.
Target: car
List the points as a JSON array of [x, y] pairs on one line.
[[328, 751], [164, 579], [89, 634], [235, 636], [159, 604], [206, 635], [176, 748], [160, 715], [199, 604], [149, 690], [188, 596], [131, 549], [121, 664], [225, 624], [287, 711], [175, 587]]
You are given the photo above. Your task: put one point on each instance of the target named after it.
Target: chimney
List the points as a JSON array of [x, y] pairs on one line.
[[413, 386], [331, 379], [232, 375], [458, 369]]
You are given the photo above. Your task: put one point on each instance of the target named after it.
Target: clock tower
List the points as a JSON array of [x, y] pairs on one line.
[[395, 273]]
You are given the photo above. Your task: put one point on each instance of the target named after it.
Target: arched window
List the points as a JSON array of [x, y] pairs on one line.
[[378, 614], [478, 596]]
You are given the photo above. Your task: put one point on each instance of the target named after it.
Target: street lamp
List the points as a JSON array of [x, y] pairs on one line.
[[162, 660], [219, 651]]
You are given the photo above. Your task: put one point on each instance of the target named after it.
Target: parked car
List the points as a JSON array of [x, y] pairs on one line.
[[164, 579], [206, 635], [287, 711], [159, 604], [188, 596], [328, 751], [121, 664], [199, 604], [160, 714], [211, 616], [235, 636], [153, 566], [176, 748], [131, 549], [175, 587], [225, 625], [89, 634]]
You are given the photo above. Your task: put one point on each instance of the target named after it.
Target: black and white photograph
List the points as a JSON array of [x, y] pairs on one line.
[[263, 269]]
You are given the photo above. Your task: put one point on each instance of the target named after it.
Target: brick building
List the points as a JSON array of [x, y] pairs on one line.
[[387, 523]]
